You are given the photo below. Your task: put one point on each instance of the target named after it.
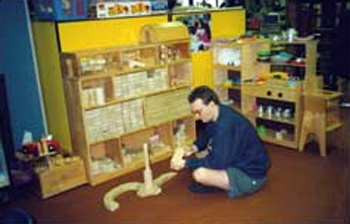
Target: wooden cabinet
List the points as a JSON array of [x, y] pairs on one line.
[[265, 80], [274, 84], [234, 63], [275, 109], [281, 100], [120, 98]]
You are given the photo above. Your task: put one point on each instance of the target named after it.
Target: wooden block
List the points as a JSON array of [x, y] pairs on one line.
[[178, 156]]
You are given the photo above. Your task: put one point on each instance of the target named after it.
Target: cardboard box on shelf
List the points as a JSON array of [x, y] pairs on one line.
[[125, 8]]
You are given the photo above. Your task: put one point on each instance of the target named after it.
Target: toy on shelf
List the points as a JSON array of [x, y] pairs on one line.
[[46, 146], [39, 153], [150, 187], [54, 172]]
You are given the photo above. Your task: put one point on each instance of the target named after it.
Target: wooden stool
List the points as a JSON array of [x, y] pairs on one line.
[[321, 115]]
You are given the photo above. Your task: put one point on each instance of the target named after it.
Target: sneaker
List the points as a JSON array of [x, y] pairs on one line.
[[198, 188]]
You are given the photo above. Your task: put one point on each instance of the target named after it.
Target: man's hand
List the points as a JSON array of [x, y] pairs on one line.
[[188, 151], [177, 162], [178, 165]]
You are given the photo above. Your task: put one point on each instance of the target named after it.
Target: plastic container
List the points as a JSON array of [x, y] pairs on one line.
[[159, 6], [60, 10]]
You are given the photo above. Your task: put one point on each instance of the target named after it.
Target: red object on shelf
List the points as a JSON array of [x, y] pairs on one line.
[[43, 148], [297, 63]]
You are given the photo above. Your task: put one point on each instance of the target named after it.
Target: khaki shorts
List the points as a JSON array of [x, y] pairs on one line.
[[241, 184]]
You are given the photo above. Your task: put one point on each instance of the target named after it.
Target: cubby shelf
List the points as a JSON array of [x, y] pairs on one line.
[[231, 86], [179, 61], [276, 94], [137, 164], [227, 67], [275, 77], [235, 61], [274, 118], [112, 102], [287, 140], [235, 87], [117, 72], [135, 131], [122, 97]]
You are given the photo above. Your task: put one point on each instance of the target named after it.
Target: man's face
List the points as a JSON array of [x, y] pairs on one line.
[[202, 111]]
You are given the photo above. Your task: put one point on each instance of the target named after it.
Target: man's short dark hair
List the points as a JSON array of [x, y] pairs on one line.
[[205, 93]]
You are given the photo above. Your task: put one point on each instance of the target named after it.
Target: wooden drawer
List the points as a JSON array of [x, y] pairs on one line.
[[275, 93], [62, 178]]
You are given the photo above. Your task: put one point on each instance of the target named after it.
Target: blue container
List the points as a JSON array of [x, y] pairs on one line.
[[159, 6], [60, 10]]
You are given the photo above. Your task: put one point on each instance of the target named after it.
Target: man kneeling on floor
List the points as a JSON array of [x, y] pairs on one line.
[[236, 159]]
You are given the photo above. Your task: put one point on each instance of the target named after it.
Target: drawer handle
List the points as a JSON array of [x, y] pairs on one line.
[[280, 95], [269, 93]]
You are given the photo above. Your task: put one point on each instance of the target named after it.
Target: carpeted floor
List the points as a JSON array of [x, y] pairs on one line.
[[302, 188]]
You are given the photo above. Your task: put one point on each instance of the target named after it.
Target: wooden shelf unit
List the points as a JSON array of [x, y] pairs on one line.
[[294, 113], [120, 98], [281, 127], [306, 52], [233, 65], [284, 99]]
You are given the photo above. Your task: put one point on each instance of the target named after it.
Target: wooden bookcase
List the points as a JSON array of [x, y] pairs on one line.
[[120, 98], [233, 65]]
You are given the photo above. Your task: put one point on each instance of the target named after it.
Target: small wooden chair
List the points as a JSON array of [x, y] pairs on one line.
[[321, 115]]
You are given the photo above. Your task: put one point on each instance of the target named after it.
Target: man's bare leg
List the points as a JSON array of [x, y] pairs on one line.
[[211, 177]]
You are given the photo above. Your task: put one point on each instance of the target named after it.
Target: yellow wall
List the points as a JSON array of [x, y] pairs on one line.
[[75, 36], [202, 68], [224, 24], [103, 33], [81, 35], [51, 82], [227, 24]]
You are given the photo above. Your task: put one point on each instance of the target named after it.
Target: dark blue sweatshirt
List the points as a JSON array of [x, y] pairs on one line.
[[232, 142]]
